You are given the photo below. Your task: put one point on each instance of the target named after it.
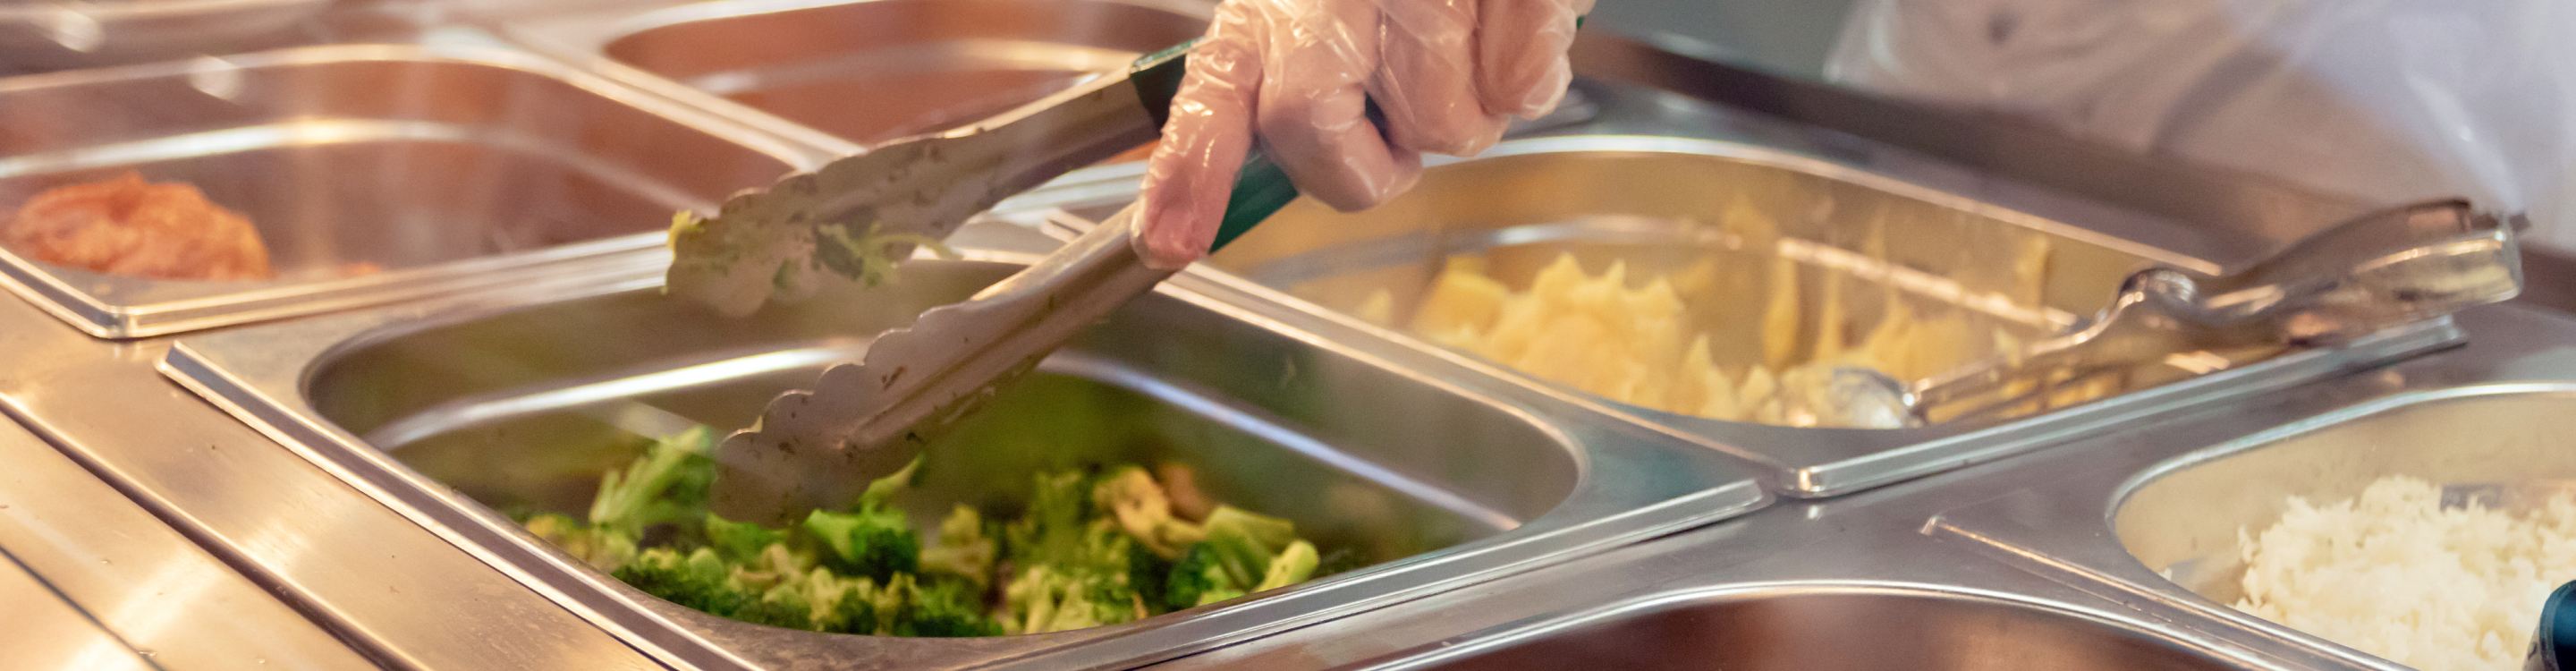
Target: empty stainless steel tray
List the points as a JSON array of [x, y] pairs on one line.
[[1661, 205], [464, 412], [36, 35], [863, 71], [444, 166]]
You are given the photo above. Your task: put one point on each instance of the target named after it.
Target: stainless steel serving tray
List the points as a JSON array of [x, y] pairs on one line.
[[859, 72], [2048, 560], [449, 166], [1349, 440], [38, 35], [2151, 516], [1654, 203]]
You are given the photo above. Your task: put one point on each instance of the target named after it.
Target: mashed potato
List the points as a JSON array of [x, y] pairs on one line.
[[2394, 574]]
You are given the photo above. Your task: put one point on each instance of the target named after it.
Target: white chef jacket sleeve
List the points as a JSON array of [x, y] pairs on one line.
[[2386, 100]]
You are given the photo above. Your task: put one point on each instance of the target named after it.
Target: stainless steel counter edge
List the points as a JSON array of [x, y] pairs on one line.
[[308, 537], [150, 590], [49, 632]]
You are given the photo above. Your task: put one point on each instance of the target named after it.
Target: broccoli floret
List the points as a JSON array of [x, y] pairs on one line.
[[854, 610], [740, 541], [775, 564], [783, 606], [1236, 559], [1052, 530], [1149, 574], [1198, 578], [698, 580], [961, 549], [1244, 543], [873, 543], [1043, 600], [881, 491], [944, 609], [601, 548], [1293, 565], [667, 484], [1140, 507]]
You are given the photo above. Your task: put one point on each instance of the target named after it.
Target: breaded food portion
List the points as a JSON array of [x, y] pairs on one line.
[[133, 227]]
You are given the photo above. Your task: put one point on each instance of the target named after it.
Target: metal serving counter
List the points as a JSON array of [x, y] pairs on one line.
[[93, 581], [319, 483]]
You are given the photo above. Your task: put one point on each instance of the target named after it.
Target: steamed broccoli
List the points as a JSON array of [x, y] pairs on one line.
[[1241, 553], [1140, 507], [1198, 579], [667, 484], [1053, 527], [961, 550], [850, 609], [1149, 574], [1293, 565], [1089, 551], [697, 580], [873, 543], [602, 548], [783, 606], [1244, 543], [1043, 599], [943, 609], [740, 541]]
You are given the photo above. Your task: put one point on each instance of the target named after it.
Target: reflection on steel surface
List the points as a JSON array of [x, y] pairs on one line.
[[1799, 627], [47, 633], [449, 167], [56, 35], [868, 72]]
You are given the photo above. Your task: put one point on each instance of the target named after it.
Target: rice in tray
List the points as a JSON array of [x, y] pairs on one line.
[[2394, 574]]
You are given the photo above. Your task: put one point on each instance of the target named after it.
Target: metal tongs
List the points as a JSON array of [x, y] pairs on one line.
[[820, 448], [2384, 269]]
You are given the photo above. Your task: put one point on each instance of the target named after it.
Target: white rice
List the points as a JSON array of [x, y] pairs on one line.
[[2393, 574]]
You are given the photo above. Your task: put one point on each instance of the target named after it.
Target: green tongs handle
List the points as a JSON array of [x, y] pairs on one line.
[[1260, 189]]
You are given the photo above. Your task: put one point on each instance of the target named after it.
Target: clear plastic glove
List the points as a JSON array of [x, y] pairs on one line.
[[1448, 74]]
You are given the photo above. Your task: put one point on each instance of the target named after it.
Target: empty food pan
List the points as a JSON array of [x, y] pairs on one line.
[[459, 415], [1860, 628], [1781, 261], [372, 173], [876, 70], [41, 35]]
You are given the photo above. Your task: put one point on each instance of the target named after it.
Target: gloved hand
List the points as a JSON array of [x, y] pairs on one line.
[[1448, 74]]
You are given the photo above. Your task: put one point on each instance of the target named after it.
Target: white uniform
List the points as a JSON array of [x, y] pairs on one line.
[[2388, 100]]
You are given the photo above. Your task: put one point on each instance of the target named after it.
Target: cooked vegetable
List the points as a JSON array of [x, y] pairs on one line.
[[1089, 550], [961, 550], [666, 485]]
